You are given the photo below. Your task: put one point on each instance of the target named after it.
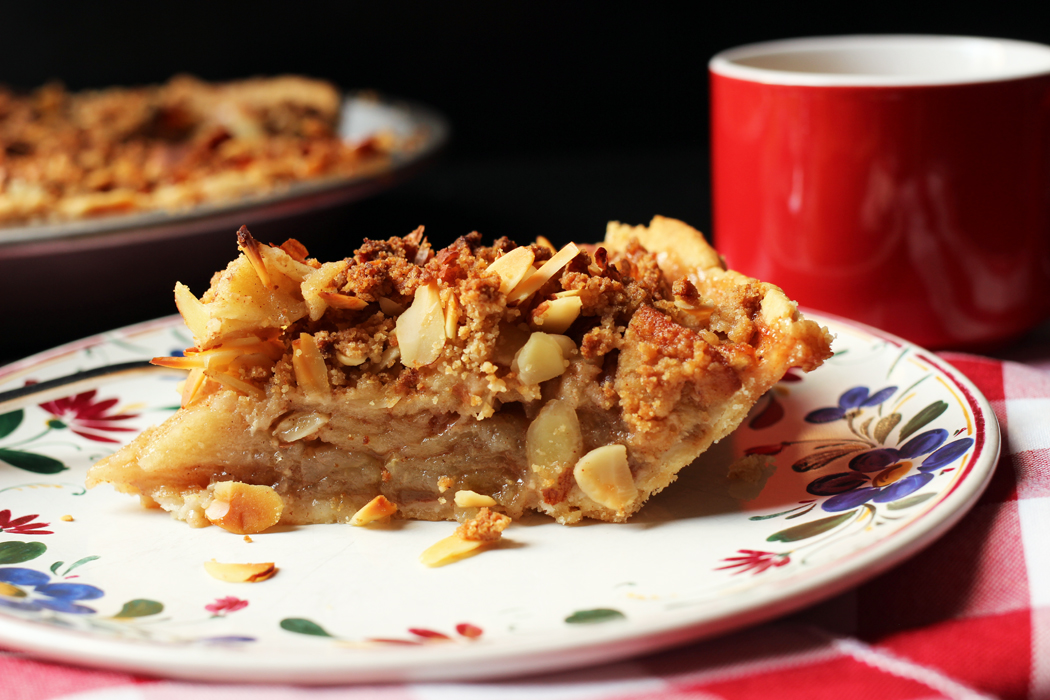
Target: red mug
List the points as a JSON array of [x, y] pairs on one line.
[[901, 181]]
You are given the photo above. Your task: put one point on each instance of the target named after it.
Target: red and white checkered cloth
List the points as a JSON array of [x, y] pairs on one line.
[[970, 618]]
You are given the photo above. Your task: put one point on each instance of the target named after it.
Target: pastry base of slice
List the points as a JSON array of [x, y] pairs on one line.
[[569, 382]]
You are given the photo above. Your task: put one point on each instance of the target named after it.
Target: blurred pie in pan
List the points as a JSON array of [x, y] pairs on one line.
[[67, 156], [575, 382]]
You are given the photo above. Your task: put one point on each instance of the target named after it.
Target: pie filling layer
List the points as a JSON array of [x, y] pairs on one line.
[[576, 382]]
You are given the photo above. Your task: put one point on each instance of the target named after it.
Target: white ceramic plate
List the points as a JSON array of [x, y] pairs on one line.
[[422, 130], [892, 444]]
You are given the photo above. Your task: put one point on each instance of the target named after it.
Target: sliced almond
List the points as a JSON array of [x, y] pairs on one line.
[[235, 383], [390, 307], [378, 508], [421, 329], [342, 301], [240, 573], [250, 247], [191, 386], [540, 359], [244, 509], [556, 315], [449, 550], [472, 499], [452, 314], [317, 282], [545, 242], [299, 425], [537, 279], [513, 267], [351, 360], [554, 441], [193, 312], [311, 373], [604, 476]]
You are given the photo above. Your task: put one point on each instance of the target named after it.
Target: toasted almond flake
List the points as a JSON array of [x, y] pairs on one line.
[[248, 538], [378, 508], [193, 312], [350, 361], [544, 242], [537, 279], [240, 573], [449, 550], [513, 267], [244, 509], [567, 293], [318, 281], [421, 329], [234, 383], [390, 307], [700, 311], [540, 359], [66, 518], [296, 250], [604, 476], [452, 313], [191, 386], [568, 347], [556, 315], [250, 247], [184, 362], [472, 499], [299, 425], [342, 301], [311, 373]]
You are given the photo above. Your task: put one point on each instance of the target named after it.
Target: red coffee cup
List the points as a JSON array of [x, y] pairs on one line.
[[901, 181]]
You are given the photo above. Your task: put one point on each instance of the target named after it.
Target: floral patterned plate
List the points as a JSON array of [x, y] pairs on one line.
[[876, 454]]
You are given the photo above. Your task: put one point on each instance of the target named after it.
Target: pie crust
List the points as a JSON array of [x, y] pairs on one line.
[[574, 382]]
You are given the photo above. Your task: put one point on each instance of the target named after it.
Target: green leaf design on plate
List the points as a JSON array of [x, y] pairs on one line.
[[812, 529], [819, 460], [38, 464], [586, 617], [79, 562], [301, 625], [920, 419], [885, 425], [10, 421], [140, 607], [910, 501], [18, 552]]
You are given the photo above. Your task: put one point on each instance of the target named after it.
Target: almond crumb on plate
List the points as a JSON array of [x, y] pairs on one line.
[[483, 530], [240, 573]]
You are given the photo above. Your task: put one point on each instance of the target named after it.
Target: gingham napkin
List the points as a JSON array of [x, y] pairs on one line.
[[969, 617]]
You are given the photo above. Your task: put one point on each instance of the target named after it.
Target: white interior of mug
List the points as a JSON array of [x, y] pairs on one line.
[[883, 60]]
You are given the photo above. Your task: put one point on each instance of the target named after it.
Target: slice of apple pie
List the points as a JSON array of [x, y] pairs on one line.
[[576, 382]]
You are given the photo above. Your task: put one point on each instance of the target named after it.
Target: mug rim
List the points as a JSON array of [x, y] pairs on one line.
[[727, 63]]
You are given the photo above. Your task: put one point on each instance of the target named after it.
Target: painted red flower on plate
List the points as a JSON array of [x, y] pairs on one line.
[[87, 417]]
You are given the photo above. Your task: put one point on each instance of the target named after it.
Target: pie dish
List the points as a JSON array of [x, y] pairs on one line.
[[72, 156], [576, 382]]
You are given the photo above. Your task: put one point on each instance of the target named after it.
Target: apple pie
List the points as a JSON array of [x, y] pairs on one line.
[[67, 156], [575, 381]]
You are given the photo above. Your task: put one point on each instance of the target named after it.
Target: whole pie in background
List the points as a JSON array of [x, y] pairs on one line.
[[71, 155]]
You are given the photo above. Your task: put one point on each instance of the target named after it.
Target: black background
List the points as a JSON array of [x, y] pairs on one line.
[[565, 115]]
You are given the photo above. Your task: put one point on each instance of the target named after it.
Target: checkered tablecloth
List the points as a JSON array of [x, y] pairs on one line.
[[969, 618]]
